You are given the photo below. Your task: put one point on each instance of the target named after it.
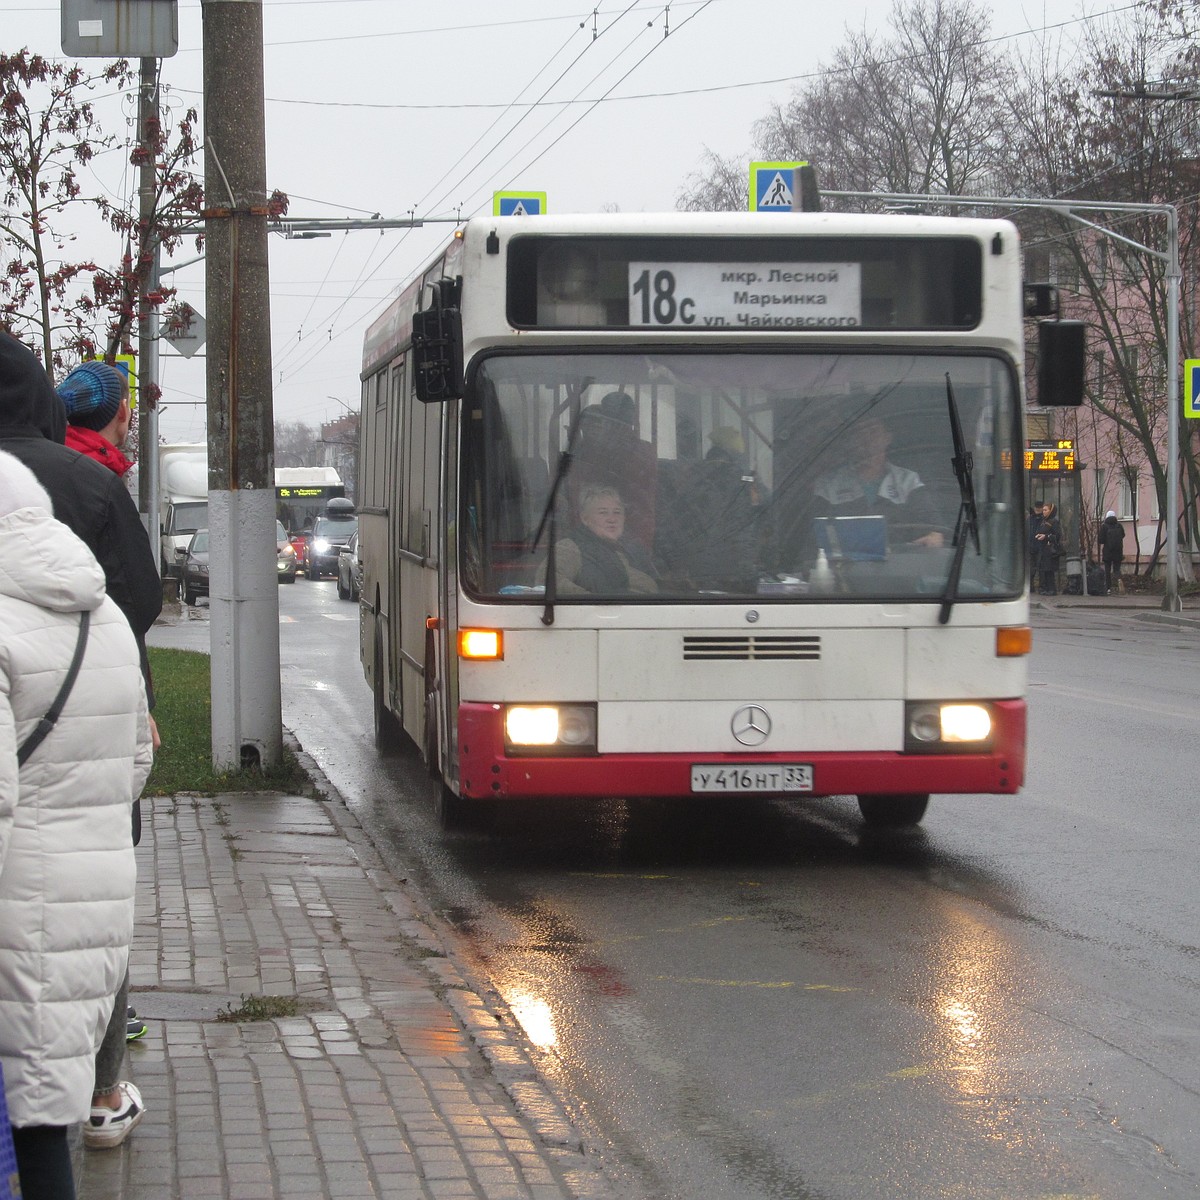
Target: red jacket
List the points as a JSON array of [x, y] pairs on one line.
[[88, 442]]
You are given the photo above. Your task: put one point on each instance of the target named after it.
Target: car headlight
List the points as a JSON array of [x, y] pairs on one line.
[[567, 729], [321, 545], [287, 551], [945, 727]]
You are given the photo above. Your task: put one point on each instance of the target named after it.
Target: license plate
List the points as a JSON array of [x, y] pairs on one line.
[[773, 777]]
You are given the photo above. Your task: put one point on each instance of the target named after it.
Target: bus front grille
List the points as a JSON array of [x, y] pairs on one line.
[[744, 648]]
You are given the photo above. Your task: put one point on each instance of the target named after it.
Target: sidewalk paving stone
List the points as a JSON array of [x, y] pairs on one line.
[[392, 1079]]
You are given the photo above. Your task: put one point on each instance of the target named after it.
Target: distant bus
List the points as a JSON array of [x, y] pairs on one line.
[[696, 505], [301, 494]]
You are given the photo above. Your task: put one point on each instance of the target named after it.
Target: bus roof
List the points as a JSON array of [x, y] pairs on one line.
[[307, 477]]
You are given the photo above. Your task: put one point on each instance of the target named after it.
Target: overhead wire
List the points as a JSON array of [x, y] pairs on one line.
[[285, 375], [546, 150], [507, 108], [558, 115]]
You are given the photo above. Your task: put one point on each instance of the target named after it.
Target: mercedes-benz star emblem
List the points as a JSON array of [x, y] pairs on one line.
[[751, 725]]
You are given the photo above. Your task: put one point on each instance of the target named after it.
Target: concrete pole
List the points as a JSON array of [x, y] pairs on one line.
[[247, 726]]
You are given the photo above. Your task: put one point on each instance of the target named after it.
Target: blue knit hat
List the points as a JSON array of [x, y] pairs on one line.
[[92, 394]]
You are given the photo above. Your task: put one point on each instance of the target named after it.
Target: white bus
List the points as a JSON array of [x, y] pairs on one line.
[[695, 504]]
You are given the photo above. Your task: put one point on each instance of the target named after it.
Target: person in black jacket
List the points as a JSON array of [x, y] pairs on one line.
[[1112, 550], [1048, 542], [88, 499]]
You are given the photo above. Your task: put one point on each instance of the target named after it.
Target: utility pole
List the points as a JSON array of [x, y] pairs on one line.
[[247, 722], [147, 369]]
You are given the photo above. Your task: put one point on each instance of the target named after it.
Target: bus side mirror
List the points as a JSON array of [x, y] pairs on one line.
[[437, 346], [1062, 363]]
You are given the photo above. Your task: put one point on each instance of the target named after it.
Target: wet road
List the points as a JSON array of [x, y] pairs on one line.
[[760, 1000]]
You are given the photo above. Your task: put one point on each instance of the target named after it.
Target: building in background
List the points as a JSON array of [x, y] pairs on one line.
[[339, 442]]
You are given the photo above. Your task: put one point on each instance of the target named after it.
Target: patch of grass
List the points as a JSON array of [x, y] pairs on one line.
[[260, 1008], [183, 711]]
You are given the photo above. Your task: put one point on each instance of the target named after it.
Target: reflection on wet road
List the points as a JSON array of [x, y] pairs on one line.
[[753, 999]]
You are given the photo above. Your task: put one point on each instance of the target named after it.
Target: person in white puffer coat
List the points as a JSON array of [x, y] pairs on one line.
[[67, 868]]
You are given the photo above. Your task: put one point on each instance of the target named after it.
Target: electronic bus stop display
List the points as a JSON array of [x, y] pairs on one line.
[[745, 284]]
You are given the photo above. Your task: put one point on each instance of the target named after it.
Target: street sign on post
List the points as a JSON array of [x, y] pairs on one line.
[[184, 328], [120, 28], [774, 185], [1191, 388], [518, 204]]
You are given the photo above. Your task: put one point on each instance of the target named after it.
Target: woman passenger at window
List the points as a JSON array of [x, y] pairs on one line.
[[596, 557]]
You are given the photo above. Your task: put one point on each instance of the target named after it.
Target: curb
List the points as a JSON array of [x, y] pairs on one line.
[[486, 1019]]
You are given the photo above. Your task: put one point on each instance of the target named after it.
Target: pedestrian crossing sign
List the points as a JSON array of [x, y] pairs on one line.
[[1191, 388], [518, 204], [127, 364], [775, 186]]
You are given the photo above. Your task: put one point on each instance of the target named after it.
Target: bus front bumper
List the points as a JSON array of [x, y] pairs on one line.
[[488, 771]]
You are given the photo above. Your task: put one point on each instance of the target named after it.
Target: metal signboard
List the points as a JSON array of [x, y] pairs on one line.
[[774, 186], [1191, 388], [518, 204], [120, 28]]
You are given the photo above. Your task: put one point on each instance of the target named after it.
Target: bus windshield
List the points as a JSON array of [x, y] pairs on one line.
[[785, 475]]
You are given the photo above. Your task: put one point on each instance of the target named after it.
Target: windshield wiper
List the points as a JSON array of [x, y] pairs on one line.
[[549, 518], [967, 523]]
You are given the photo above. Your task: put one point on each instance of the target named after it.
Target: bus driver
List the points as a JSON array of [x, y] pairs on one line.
[[871, 485]]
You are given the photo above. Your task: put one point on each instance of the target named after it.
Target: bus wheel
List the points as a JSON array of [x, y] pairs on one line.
[[451, 810], [893, 812], [389, 734]]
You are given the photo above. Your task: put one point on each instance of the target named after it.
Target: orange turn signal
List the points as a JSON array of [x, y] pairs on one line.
[[480, 644], [1013, 641]]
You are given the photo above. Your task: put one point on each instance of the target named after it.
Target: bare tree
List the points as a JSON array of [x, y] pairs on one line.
[[1068, 140], [917, 109], [298, 445], [49, 134], [719, 185]]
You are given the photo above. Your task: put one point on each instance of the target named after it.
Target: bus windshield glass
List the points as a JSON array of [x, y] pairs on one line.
[[785, 476]]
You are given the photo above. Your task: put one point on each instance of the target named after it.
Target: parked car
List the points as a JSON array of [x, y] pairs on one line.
[[330, 532], [194, 569], [349, 570], [285, 555]]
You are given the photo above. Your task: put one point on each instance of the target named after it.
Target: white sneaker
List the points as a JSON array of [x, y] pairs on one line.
[[109, 1127]]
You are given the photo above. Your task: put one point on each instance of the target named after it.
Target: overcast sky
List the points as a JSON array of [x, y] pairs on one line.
[[397, 107]]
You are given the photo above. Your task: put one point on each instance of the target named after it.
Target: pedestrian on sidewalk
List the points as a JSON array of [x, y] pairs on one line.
[[1048, 540], [1112, 550], [93, 502], [95, 396], [67, 868]]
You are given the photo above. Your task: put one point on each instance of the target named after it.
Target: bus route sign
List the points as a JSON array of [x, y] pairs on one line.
[[746, 295]]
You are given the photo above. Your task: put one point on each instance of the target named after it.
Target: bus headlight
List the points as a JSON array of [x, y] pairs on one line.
[[933, 727], [550, 729]]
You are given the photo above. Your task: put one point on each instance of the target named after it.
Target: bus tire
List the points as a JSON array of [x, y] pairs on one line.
[[451, 810], [893, 812], [389, 733]]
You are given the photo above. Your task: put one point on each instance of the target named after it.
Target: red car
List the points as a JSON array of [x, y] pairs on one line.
[[299, 542]]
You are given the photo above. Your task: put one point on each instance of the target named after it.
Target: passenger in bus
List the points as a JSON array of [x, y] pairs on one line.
[[870, 484], [597, 557], [721, 516], [609, 452]]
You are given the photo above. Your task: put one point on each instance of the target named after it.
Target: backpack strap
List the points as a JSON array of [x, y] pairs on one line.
[[43, 727]]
